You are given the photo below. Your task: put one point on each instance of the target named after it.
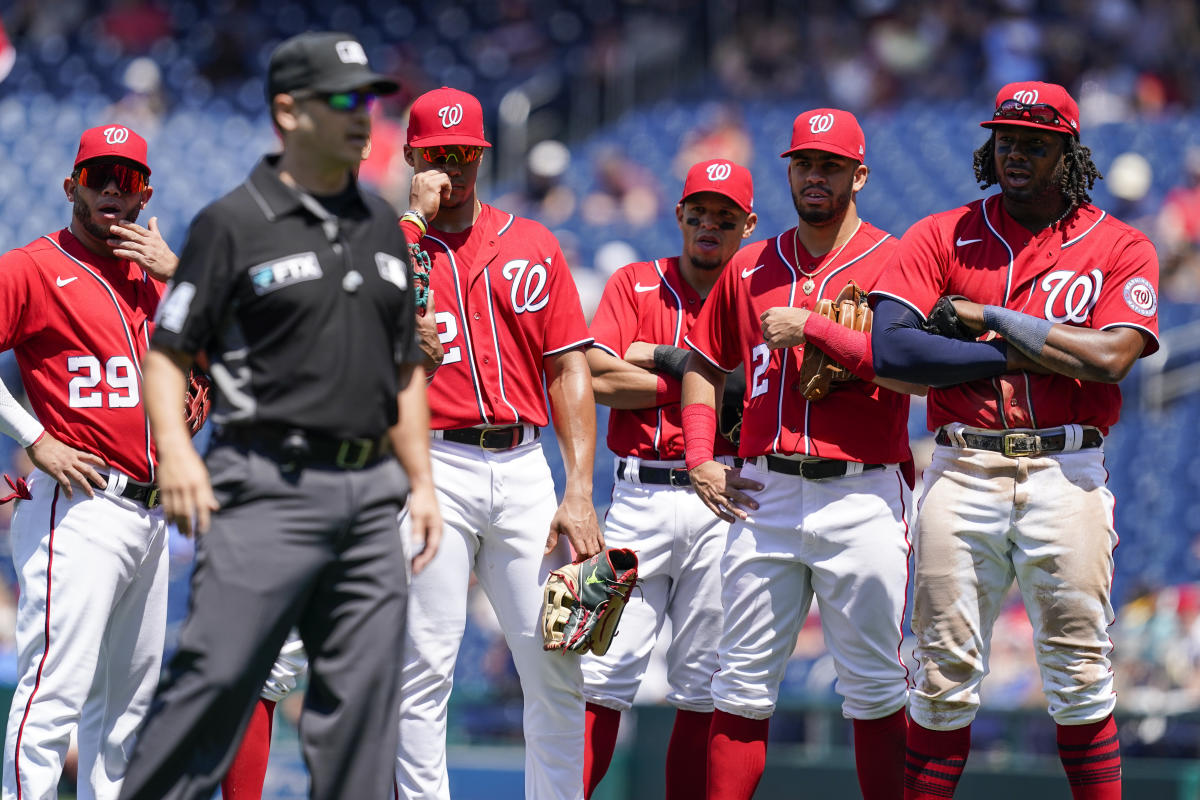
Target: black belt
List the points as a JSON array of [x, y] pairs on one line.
[[505, 438], [1020, 443], [144, 493], [661, 476], [815, 469], [294, 448]]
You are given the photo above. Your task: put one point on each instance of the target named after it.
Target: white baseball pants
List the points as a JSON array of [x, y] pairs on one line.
[[497, 508], [842, 540], [91, 621], [984, 520], [679, 543]]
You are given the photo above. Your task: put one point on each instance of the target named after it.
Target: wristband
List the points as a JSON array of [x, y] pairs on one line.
[[671, 360], [699, 431], [417, 218], [1025, 331], [850, 348], [667, 391]]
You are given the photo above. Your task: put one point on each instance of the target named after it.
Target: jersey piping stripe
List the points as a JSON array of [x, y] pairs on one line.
[[1033, 423], [851, 262], [1011, 257], [901, 300], [487, 282], [37, 681], [1070, 242], [466, 328], [706, 356], [658, 425], [907, 576], [606, 349], [783, 360], [506, 225], [1136, 327], [572, 346], [137, 367]]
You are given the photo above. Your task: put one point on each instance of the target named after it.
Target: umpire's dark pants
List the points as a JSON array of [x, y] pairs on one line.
[[315, 548]]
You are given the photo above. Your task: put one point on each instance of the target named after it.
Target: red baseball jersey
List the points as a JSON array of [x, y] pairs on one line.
[[505, 300], [648, 301], [857, 421], [79, 324], [1090, 270]]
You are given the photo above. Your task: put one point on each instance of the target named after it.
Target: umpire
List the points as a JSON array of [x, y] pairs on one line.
[[296, 286]]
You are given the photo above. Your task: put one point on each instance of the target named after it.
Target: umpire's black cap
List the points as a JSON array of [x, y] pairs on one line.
[[323, 62]]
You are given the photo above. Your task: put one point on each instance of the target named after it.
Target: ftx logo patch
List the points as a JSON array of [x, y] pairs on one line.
[[274, 275]]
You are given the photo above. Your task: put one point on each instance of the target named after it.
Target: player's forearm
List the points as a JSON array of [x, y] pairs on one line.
[[702, 383], [410, 435], [164, 381], [1087, 354], [618, 384], [903, 351], [573, 410]]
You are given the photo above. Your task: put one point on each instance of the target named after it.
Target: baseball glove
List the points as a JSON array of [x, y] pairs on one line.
[[817, 370], [196, 403], [729, 418], [943, 320], [583, 602]]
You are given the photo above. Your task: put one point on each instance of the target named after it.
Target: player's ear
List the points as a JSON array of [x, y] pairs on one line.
[[69, 188], [861, 173], [408, 156], [679, 214], [147, 193], [751, 224]]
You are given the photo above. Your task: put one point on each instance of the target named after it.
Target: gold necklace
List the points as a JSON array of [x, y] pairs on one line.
[[808, 285]]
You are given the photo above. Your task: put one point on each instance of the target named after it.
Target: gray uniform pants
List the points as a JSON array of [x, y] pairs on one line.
[[318, 549]]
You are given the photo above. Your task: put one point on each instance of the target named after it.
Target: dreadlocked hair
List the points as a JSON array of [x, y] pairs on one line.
[[1079, 171]]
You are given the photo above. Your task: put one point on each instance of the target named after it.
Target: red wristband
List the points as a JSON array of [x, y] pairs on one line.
[[851, 349], [699, 433], [668, 390]]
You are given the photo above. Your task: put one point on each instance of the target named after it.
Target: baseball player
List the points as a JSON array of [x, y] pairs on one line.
[[821, 507], [1017, 483], [90, 545], [509, 320], [646, 310]]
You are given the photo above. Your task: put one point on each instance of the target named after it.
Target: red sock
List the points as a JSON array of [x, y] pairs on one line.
[[934, 761], [248, 772], [879, 756], [600, 739], [737, 755], [687, 755], [1091, 755]]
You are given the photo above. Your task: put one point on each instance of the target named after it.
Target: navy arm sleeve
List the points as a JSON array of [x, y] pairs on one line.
[[904, 351]]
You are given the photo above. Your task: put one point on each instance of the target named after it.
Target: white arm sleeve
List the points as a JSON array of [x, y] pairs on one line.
[[15, 421]]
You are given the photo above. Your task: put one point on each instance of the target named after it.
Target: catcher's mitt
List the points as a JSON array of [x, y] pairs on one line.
[[817, 369], [943, 320], [584, 601], [196, 403]]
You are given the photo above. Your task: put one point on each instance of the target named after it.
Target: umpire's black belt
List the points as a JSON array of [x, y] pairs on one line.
[[295, 448], [815, 469], [502, 438], [1021, 443]]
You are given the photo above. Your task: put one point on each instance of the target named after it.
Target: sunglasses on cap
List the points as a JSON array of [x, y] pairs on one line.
[[129, 180], [1041, 113], [451, 154], [343, 101]]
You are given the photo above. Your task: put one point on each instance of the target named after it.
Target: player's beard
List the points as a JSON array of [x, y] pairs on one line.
[[817, 216], [706, 263], [83, 214]]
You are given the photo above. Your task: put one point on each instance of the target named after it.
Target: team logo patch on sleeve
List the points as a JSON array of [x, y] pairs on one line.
[[274, 275], [1139, 295], [173, 310]]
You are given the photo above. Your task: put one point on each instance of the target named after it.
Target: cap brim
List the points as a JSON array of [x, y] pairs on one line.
[[1022, 123], [371, 81], [824, 147], [449, 138]]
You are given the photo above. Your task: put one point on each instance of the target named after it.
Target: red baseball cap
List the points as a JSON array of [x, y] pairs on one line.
[[112, 141], [723, 177], [1023, 104], [446, 116], [831, 130]]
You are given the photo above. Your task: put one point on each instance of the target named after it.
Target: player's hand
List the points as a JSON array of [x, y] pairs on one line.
[[721, 489], [67, 465], [426, 518], [641, 354], [144, 247], [576, 519], [185, 490], [427, 337], [429, 189], [971, 315], [783, 326]]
